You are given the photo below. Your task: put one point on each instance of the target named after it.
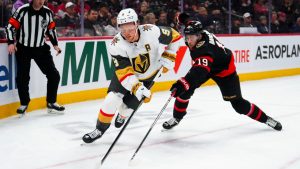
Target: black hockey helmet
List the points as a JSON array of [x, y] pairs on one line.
[[193, 28], [183, 19]]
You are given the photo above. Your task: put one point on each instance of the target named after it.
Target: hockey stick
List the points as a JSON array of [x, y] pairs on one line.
[[153, 124], [127, 122]]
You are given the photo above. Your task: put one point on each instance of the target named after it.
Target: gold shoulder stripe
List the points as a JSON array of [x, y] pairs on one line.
[[175, 35], [123, 73]]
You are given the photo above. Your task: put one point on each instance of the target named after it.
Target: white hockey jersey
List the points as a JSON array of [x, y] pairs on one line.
[[140, 60]]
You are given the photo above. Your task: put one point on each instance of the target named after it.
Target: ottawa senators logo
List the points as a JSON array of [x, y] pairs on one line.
[[141, 63], [199, 44]]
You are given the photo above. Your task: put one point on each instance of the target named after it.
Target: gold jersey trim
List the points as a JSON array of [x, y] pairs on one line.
[[122, 73]]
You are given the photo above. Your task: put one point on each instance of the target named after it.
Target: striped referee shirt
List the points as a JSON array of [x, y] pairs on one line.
[[31, 26]]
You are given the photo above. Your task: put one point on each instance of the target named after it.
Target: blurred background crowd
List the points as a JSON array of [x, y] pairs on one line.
[[218, 16]]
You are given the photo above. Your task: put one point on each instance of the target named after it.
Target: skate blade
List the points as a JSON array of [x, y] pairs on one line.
[[21, 115], [83, 144], [165, 130], [134, 163], [55, 112], [98, 164]]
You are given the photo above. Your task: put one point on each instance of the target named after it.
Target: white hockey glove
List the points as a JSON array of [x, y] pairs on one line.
[[140, 91], [167, 60]]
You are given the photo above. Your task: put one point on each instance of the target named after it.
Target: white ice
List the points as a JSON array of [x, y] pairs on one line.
[[211, 136]]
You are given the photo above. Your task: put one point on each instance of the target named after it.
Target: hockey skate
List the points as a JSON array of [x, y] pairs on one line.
[[119, 121], [274, 124], [21, 110], [54, 108], [171, 123], [92, 136]]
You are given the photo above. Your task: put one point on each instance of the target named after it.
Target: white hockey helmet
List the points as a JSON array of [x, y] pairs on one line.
[[126, 16]]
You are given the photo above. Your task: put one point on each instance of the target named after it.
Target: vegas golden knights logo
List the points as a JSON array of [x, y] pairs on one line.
[[141, 63]]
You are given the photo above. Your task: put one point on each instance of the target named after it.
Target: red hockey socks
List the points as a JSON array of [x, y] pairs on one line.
[[180, 107]]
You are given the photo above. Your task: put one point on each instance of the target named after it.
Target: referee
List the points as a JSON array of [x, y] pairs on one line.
[[31, 23]]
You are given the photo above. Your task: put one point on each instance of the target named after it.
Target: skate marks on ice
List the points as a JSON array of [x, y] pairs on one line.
[[76, 129], [202, 139], [292, 164], [168, 140]]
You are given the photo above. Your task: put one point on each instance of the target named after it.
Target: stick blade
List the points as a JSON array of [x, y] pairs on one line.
[[98, 164]]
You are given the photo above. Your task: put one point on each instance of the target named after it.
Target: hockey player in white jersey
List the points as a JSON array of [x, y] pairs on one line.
[[138, 52]]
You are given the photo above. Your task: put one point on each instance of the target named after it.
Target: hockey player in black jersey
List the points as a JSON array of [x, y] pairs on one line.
[[211, 60]]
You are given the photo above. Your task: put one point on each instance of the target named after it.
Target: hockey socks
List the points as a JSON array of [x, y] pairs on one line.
[[257, 114], [242, 106], [102, 125], [179, 112], [180, 107]]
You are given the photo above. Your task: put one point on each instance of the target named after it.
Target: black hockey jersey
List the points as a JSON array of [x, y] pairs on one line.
[[210, 58]]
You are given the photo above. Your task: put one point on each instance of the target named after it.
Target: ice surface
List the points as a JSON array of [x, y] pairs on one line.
[[211, 136]]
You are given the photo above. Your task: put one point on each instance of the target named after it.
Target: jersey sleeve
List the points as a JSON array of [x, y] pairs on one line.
[[171, 38], [123, 67], [51, 30], [200, 69], [14, 23]]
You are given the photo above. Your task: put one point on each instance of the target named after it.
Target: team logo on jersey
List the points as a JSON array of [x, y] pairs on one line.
[[141, 63], [115, 40], [147, 27], [199, 44], [44, 23]]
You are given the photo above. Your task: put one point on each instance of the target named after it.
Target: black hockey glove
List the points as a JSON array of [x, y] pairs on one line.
[[179, 87]]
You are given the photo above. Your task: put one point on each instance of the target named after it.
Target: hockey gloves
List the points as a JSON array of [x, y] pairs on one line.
[[140, 91], [179, 87], [167, 60]]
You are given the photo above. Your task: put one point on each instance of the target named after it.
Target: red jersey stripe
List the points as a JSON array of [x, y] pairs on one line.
[[206, 57], [125, 76], [176, 39], [106, 115], [230, 70]]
